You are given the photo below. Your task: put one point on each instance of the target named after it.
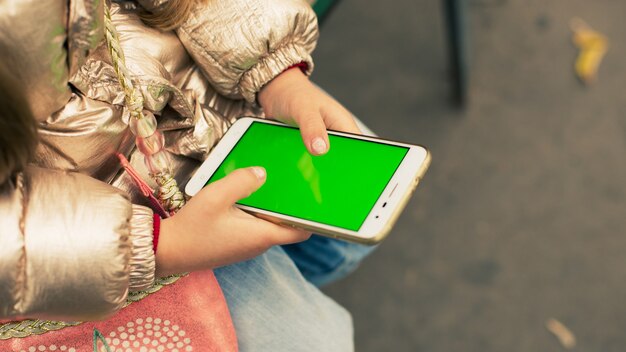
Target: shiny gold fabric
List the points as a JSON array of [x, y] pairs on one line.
[[77, 258], [142, 260], [284, 35], [84, 32], [32, 39], [11, 247], [72, 260]]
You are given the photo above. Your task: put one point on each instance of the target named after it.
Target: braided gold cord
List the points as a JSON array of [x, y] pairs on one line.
[[133, 100], [27, 328], [159, 283]]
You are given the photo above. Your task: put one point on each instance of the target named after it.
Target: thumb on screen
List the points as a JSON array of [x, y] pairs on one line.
[[237, 185]]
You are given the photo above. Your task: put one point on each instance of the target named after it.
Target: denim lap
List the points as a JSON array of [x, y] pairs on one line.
[[274, 308], [324, 260], [274, 301]]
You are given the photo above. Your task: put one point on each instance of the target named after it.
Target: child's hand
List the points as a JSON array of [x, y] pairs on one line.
[[293, 99], [209, 231]]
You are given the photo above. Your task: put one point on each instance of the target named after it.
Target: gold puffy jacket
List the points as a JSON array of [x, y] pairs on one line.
[[86, 240]]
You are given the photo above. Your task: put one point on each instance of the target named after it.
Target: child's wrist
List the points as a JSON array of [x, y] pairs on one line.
[[165, 264], [286, 80]]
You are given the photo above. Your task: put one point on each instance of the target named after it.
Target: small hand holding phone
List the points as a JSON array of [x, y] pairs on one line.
[[355, 192]]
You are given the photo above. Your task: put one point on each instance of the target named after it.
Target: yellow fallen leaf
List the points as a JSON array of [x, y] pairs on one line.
[[592, 47], [565, 336]]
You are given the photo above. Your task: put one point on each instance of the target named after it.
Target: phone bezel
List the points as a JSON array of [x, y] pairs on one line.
[[381, 217]]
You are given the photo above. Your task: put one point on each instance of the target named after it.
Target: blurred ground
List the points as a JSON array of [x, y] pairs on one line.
[[521, 217]]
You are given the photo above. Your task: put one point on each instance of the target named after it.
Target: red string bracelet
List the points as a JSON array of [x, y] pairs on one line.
[[156, 224]]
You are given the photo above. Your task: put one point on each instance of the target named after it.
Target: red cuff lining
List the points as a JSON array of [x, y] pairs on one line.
[[156, 224], [303, 66]]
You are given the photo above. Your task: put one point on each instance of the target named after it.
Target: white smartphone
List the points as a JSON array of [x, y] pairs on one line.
[[355, 191]]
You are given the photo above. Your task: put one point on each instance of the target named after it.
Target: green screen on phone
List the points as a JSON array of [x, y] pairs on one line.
[[338, 188]]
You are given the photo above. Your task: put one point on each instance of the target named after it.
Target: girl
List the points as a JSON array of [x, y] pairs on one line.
[[79, 242]]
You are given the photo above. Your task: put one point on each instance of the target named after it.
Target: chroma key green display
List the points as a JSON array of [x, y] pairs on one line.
[[338, 188]]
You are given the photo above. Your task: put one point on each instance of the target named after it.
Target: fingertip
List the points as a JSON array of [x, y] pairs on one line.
[[291, 234], [259, 172], [314, 135], [319, 146], [300, 235]]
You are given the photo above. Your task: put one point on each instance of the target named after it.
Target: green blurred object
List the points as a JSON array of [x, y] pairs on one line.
[[322, 8]]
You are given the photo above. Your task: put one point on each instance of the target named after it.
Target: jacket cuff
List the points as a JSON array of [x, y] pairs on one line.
[[142, 261], [271, 66]]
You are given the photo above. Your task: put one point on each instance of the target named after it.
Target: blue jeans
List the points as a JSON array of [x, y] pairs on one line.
[[275, 302]]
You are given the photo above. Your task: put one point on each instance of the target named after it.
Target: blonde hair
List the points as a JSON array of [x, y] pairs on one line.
[[18, 129], [171, 15]]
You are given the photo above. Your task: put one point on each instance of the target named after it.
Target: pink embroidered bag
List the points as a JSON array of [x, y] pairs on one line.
[[188, 314]]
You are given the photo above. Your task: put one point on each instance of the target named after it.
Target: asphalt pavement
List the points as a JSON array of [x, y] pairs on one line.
[[521, 216]]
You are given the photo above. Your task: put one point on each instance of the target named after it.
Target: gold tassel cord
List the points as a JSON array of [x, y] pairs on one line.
[[169, 193]]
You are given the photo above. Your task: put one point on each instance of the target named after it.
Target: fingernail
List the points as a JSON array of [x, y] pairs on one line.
[[319, 146], [259, 172]]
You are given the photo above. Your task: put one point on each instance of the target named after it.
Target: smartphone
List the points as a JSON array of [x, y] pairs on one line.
[[354, 192]]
